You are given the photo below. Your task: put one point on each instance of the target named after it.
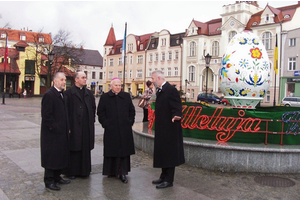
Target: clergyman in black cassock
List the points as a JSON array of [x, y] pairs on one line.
[[81, 113], [116, 114]]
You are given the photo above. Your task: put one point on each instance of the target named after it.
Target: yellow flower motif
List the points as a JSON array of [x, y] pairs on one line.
[[256, 53]]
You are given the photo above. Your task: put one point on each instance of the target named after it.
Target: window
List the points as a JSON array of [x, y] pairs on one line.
[[267, 40], [192, 49], [292, 64], [156, 57], [231, 35], [267, 17], [163, 56], [104, 51], [292, 42], [41, 39], [140, 58], [191, 73], [120, 74], [120, 61], [111, 62], [100, 75], [215, 48], [176, 71], [104, 63], [29, 67], [141, 47], [163, 42], [130, 73], [170, 55], [86, 73], [131, 60], [150, 58], [139, 73], [130, 47], [169, 72], [3, 35], [22, 37], [93, 75], [163, 70], [110, 75], [176, 55], [193, 93], [125, 73], [268, 97], [149, 72]]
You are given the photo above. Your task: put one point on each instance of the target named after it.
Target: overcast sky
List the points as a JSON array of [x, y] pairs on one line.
[[89, 21]]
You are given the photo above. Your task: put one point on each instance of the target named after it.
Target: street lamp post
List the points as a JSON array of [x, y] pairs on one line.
[[207, 61], [186, 82], [50, 59]]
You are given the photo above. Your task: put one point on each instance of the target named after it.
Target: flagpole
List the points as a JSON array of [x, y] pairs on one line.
[[275, 69], [124, 55], [4, 66]]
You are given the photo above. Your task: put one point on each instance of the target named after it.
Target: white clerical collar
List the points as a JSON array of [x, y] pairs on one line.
[[57, 89], [162, 85]]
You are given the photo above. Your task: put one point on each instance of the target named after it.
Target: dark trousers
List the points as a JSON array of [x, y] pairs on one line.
[[145, 119], [52, 176], [167, 174]]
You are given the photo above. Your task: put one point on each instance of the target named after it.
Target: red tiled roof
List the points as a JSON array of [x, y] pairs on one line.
[[12, 66], [111, 38], [279, 14], [21, 44], [32, 37], [55, 69], [210, 27]]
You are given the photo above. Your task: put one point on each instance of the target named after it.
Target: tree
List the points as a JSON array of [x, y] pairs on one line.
[[66, 55]]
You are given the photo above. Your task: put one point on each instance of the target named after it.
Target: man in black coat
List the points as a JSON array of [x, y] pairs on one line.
[[168, 141], [81, 113], [54, 133], [116, 114]]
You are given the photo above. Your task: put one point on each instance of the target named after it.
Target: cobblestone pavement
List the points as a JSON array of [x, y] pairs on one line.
[[21, 176]]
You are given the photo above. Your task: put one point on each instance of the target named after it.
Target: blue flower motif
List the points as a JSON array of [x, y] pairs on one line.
[[243, 41], [266, 65], [255, 41], [243, 63]]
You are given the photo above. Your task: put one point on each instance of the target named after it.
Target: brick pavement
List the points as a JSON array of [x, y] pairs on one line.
[[21, 176]]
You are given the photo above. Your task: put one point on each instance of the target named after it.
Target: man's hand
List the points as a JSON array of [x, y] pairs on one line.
[[176, 118]]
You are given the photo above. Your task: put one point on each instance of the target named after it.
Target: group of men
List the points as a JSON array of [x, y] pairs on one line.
[[68, 135]]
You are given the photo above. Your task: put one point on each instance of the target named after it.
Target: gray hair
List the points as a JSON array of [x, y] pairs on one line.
[[57, 74], [112, 80], [159, 73], [77, 74]]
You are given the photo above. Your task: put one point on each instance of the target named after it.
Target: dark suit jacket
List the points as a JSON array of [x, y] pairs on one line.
[[54, 131], [75, 105], [168, 141], [116, 114]]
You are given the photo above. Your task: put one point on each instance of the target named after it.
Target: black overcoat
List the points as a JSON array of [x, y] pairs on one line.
[[54, 131], [116, 114], [168, 140], [75, 105]]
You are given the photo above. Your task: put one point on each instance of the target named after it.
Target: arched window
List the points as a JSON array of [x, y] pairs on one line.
[[267, 40], [193, 49], [231, 35], [215, 48], [192, 73]]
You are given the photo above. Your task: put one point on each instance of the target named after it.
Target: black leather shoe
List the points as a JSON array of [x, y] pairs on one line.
[[123, 178], [52, 186], [164, 185], [62, 181], [71, 177], [158, 181]]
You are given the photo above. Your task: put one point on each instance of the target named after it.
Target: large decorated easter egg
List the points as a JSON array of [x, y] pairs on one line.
[[245, 73]]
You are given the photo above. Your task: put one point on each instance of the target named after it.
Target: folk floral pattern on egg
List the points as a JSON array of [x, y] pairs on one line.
[[245, 74]]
